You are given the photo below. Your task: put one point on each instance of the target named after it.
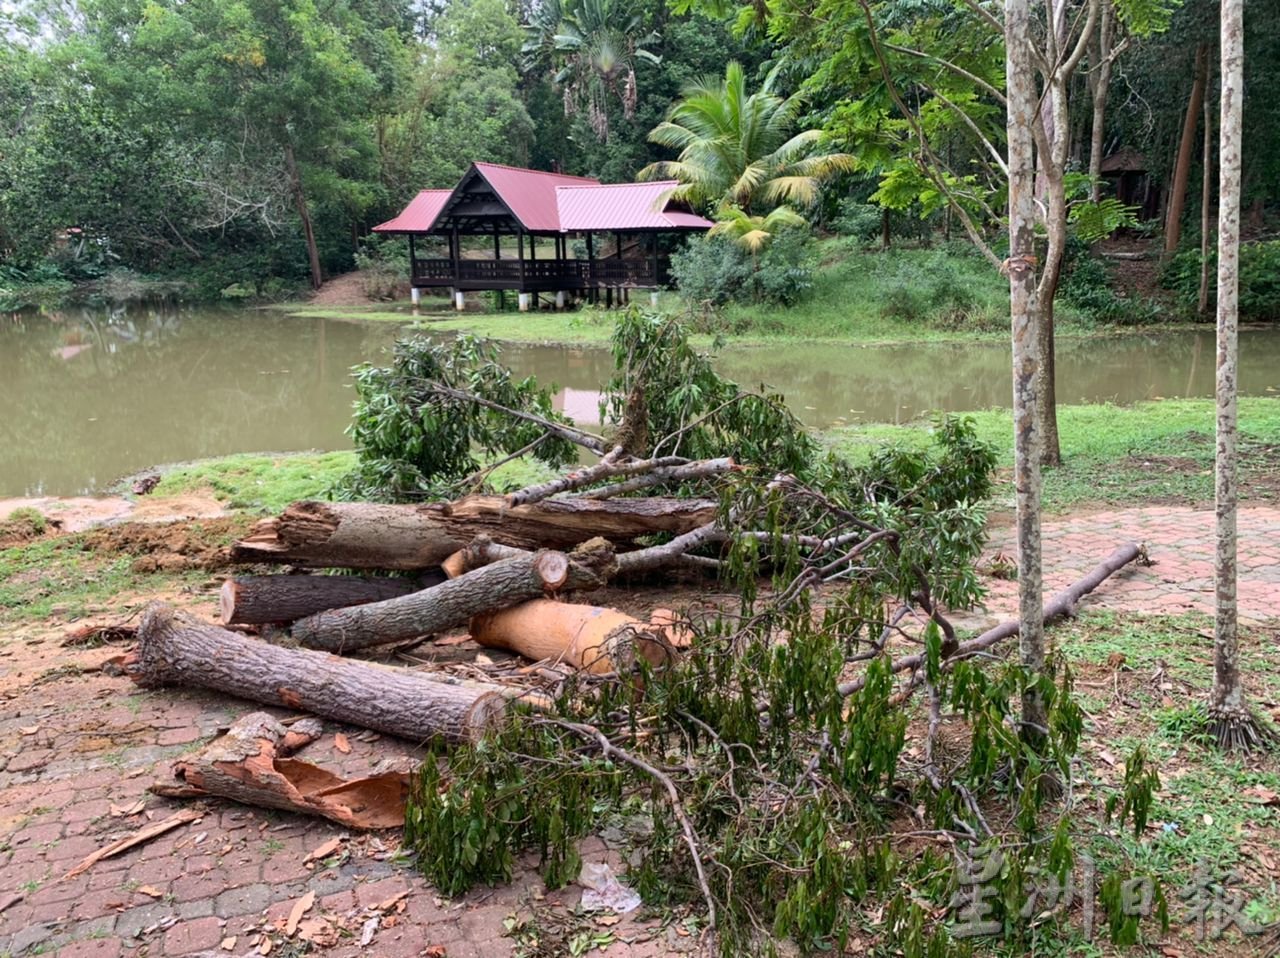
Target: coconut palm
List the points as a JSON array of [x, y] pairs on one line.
[[754, 233], [739, 148], [596, 44]]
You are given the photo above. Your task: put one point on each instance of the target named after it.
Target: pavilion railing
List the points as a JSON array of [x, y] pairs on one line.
[[544, 274]]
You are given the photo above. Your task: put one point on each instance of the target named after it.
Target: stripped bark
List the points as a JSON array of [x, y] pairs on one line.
[[261, 599], [1025, 318], [251, 764], [177, 649], [597, 640], [497, 586], [581, 478], [371, 536]]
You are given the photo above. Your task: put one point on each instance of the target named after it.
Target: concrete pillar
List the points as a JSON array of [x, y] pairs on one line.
[[653, 298], [415, 294], [524, 302], [459, 300], [560, 299]]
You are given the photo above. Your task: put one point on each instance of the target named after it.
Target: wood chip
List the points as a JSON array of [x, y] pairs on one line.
[[124, 811], [265, 947], [29, 730], [300, 908], [341, 744], [392, 901], [324, 851], [367, 932], [140, 837], [150, 890], [228, 944]]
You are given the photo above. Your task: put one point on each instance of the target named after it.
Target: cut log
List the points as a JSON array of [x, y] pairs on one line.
[[496, 586], [483, 551], [361, 535], [587, 637], [260, 599], [250, 764], [177, 649]]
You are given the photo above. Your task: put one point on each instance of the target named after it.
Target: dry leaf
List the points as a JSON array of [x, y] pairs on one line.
[[1261, 795], [318, 931], [324, 851], [300, 908], [150, 890], [1167, 702], [435, 951], [227, 944], [1107, 757], [341, 744], [392, 901], [608, 920]]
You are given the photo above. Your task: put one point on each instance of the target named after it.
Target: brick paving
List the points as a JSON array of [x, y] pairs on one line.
[[1180, 544], [78, 749]]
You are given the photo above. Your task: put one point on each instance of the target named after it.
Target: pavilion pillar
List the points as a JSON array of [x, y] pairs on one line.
[[559, 299], [524, 302], [459, 300], [415, 295]]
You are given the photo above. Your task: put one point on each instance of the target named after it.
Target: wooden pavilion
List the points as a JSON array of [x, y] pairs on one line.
[[623, 229]]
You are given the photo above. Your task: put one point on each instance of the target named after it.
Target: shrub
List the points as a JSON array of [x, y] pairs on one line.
[[856, 219], [1086, 285], [383, 262], [714, 270], [1259, 280]]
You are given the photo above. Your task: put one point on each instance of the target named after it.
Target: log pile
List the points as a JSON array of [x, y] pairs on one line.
[[507, 570]]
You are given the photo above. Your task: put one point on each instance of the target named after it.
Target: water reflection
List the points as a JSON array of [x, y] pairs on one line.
[[89, 395]]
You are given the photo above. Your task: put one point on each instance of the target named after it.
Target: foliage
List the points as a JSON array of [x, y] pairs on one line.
[[668, 399], [1087, 286], [1259, 280], [596, 44], [739, 148], [714, 271], [383, 262], [412, 440], [857, 219]]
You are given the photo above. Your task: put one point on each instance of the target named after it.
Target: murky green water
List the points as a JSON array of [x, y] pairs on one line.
[[88, 396]]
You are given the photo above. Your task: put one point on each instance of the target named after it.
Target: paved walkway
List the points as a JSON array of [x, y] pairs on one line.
[[1180, 544], [78, 749]]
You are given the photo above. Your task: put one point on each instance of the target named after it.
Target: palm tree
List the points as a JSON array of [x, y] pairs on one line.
[[596, 44], [755, 233], [738, 147]]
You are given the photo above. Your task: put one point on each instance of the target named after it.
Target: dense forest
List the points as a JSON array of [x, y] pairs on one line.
[[243, 147]]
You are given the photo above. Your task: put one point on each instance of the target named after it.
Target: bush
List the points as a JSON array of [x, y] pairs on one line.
[[936, 291], [859, 220], [383, 262], [1086, 285], [715, 271], [1259, 280]]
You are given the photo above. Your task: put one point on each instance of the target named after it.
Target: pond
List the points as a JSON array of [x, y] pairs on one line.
[[90, 395]]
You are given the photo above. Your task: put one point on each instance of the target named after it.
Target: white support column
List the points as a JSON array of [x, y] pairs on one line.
[[459, 300], [524, 302], [415, 294], [653, 298], [560, 299]]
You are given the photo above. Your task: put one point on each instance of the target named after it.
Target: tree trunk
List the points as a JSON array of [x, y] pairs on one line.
[[1046, 295], [250, 764], [259, 599], [1182, 169], [362, 535], [300, 201], [1021, 91], [1230, 717], [1206, 198], [1099, 82], [497, 586], [580, 636], [177, 649]]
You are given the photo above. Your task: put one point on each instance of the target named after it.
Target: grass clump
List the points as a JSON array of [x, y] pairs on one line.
[[259, 482], [23, 524]]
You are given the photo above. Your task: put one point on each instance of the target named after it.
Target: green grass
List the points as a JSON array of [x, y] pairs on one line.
[[1117, 455], [945, 294], [259, 482], [1201, 812], [57, 578]]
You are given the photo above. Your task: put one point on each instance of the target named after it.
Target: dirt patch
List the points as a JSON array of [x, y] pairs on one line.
[[345, 290], [172, 546]]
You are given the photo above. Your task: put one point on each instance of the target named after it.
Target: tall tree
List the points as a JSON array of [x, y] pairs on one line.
[[1186, 150], [1232, 721], [594, 47], [1023, 118], [742, 148]]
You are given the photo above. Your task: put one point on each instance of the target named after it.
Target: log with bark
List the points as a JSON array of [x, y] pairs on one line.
[[499, 585], [251, 764], [178, 649], [262, 599], [597, 640], [361, 535]]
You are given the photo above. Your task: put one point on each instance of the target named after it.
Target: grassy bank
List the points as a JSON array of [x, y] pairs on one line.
[[945, 294], [1119, 455]]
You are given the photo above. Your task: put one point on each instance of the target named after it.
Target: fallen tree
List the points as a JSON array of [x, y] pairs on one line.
[[501, 584], [177, 649], [262, 599], [360, 535], [251, 764]]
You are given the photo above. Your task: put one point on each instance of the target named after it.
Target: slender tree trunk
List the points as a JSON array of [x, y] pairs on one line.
[[300, 200], [1099, 79], [1231, 719], [1206, 198], [1024, 317], [1182, 169]]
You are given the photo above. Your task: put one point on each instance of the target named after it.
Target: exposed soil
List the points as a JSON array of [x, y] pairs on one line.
[[345, 290], [172, 546]]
